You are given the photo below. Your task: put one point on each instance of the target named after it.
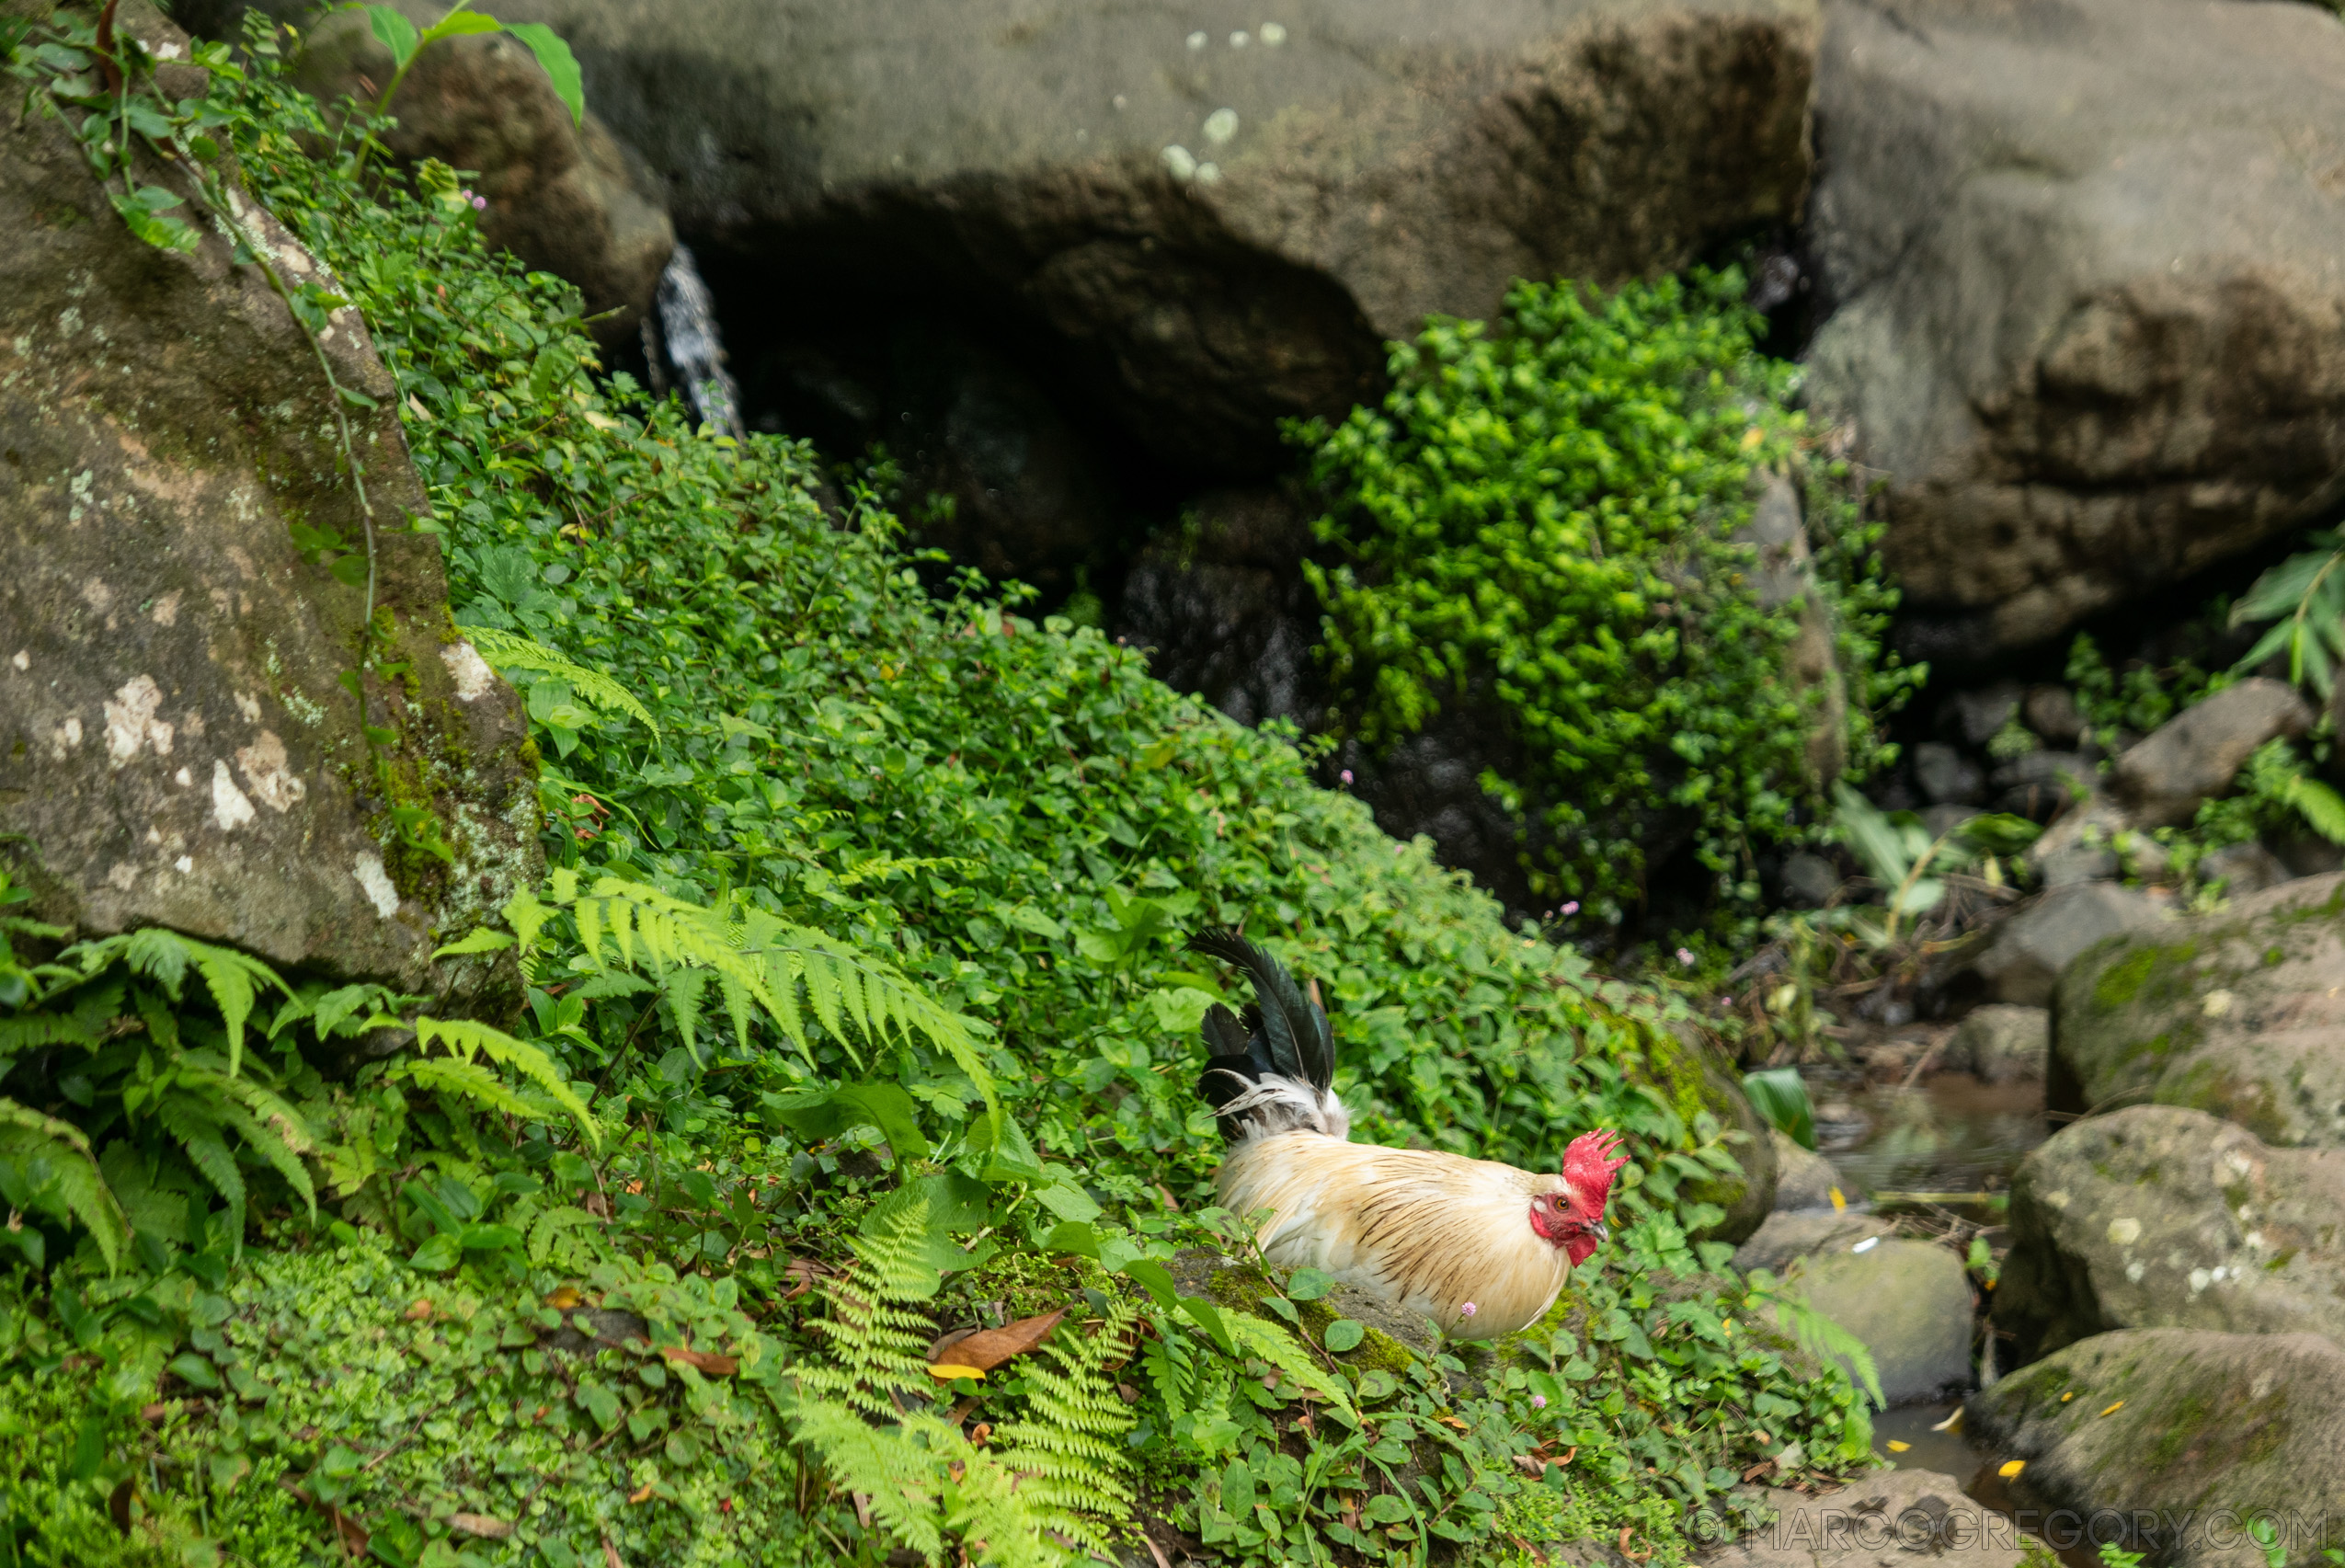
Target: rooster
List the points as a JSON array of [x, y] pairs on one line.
[[1479, 1247]]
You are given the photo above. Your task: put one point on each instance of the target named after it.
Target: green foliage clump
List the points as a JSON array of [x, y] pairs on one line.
[[1539, 526]]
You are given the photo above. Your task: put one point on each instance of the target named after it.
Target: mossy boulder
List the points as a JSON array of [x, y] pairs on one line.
[[1692, 1076], [1391, 1338], [2158, 1217], [176, 744], [2240, 1014], [2147, 1429]]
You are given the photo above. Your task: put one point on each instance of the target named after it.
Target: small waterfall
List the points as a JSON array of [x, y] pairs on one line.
[[680, 341]]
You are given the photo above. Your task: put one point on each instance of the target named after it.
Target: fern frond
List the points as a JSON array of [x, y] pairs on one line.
[[233, 978], [995, 1508], [466, 1080], [198, 1132], [1069, 1445], [902, 1476], [876, 1343], [30, 1138], [1261, 1337], [272, 1146], [466, 1038], [595, 688], [550, 1226]]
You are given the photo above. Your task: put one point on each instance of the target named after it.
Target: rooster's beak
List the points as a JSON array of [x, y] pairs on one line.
[[1600, 1232]]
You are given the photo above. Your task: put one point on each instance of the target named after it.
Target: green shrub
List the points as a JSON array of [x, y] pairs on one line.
[[1538, 526]]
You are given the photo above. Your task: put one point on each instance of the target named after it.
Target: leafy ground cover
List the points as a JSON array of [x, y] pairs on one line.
[[856, 1013]]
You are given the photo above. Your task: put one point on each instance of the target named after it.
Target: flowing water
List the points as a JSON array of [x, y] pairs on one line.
[[681, 338], [1951, 1133]]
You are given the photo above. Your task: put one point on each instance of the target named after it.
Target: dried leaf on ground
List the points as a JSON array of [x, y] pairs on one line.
[[987, 1349]]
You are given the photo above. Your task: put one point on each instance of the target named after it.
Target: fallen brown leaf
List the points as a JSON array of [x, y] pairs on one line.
[[118, 1504], [610, 1558], [565, 1297], [1453, 1421], [1537, 1555], [863, 1508], [989, 1348], [417, 1312], [485, 1526], [1153, 1550], [354, 1537], [639, 1494], [980, 1432], [154, 1412], [706, 1362]]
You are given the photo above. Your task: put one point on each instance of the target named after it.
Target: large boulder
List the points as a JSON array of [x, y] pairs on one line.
[[2240, 1013], [563, 195], [1214, 220], [2156, 1217], [1914, 1518], [1908, 1301], [2195, 755], [2025, 952], [2178, 1438], [2001, 1043], [2090, 318], [176, 747]]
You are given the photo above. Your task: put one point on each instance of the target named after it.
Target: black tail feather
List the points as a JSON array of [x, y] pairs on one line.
[[1283, 1033]]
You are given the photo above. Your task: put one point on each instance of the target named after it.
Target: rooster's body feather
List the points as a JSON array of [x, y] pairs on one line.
[[1479, 1247]]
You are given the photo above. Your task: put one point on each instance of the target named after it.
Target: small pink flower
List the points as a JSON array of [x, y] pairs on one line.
[[480, 203], [1467, 1310], [1346, 775], [1573, 908], [1539, 1402], [1686, 957]]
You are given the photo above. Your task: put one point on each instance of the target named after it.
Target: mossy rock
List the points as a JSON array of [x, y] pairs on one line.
[[2156, 1424], [1694, 1078], [1391, 1341], [2240, 1014]]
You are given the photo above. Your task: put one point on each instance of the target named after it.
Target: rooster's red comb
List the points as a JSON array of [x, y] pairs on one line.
[[1589, 1161]]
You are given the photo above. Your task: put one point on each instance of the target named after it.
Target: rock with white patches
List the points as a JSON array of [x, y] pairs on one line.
[[176, 745], [2172, 1219]]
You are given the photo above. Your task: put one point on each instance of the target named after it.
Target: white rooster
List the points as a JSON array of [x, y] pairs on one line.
[[1479, 1247]]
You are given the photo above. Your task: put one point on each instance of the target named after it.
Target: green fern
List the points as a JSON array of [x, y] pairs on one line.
[[53, 1162], [1053, 1474], [235, 979], [507, 651], [761, 964], [466, 1039]]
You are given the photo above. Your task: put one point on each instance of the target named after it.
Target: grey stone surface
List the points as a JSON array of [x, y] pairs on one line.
[[1976, 715], [1809, 879], [2052, 714], [2080, 844], [2240, 1014], [2090, 319], [1378, 160], [2194, 755], [2243, 869], [1788, 1236], [1222, 606], [564, 197], [2026, 951], [175, 746], [2041, 784], [1803, 1179], [2001, 1042], [1947, 776], [1895, 1518], [2156, 1217], [2178, 1422], [1909, 1301]]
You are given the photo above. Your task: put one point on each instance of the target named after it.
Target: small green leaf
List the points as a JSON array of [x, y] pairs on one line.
[[439, 1255], [398, 33], [1310, 1284], [457, 24], [484, 940], [354, 398], [195, 1371], [1344, 1333], [561, 66]]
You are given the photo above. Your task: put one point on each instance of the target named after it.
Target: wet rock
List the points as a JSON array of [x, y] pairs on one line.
[[2243, 869], [1805, 1180], [2080, 845], [1947, 776], [176, 747], [1222, 608], [2172, 1423], [2052, 714], [1223, 233], [1895, 1518], [2026, 951], [2092, 381], [1977, 716], [566, 197], [2195, 755], [2240, 1014], [1909, 1301], [2001, 1042], [2156, 1217]]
